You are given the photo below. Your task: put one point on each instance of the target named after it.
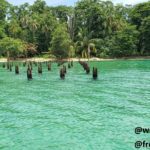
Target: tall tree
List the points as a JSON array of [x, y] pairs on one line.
[[3, 9], [11, 47], [60, 42], [145, 35], [138, 15]]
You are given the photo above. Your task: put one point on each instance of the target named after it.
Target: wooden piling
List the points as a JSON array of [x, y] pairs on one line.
[[49, 67], [29, 73], [69, 66], [95, 73], [17, 69], [62, 73], [3, 65], [65, 69], [40, 69]]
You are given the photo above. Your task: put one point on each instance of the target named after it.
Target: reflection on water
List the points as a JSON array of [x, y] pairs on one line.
[[78, 112]]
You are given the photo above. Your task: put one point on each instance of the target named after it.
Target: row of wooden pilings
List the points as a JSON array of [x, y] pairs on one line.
[[29, 67], [63, 69], [87, 69]]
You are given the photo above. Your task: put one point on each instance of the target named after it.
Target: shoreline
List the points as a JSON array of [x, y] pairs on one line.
[[36, 59]]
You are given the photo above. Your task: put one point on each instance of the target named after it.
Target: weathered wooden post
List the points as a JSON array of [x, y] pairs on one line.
[[3, 65], [40, 69], [49, 67], [62, 73], [87, 69], [95, 73], [16, 69], [69, 65], [29, 73], [85, 66], [30, 65]]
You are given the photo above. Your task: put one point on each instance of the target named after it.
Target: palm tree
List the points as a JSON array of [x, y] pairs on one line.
[[25, 21], [85, 47], [14, 28], [33, 26]]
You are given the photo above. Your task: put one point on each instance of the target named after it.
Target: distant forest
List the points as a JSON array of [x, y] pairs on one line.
[[91, 28]]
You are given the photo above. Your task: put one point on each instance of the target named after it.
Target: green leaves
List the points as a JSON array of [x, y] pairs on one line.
[[140, 17], [60, 42], [124, 42], [94, 26], [139, 12], [13, 46], [97, 19], [145, 35], [3, 9], [2, 33]]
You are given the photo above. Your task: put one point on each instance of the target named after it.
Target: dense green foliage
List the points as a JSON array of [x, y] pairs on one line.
[[140, 16], [90, 28], [11, 47], [60, 42]]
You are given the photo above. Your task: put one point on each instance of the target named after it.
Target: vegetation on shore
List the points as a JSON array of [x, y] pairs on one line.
[[90, 28]]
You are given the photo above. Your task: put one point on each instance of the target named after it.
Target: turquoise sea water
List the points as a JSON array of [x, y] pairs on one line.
[[77, 113]]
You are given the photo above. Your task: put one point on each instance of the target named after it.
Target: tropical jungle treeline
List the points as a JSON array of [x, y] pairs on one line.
[[90, 28]]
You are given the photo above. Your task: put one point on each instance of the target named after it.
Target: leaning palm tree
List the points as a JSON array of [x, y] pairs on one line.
[[85, 47]]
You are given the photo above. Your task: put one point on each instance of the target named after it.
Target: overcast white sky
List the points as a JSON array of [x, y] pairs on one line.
[[71, 2]]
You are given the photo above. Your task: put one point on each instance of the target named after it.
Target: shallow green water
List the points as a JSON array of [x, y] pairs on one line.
[[76, 113]]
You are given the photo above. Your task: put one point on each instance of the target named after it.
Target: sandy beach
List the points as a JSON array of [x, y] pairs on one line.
[[50, 59], [36, 59]]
